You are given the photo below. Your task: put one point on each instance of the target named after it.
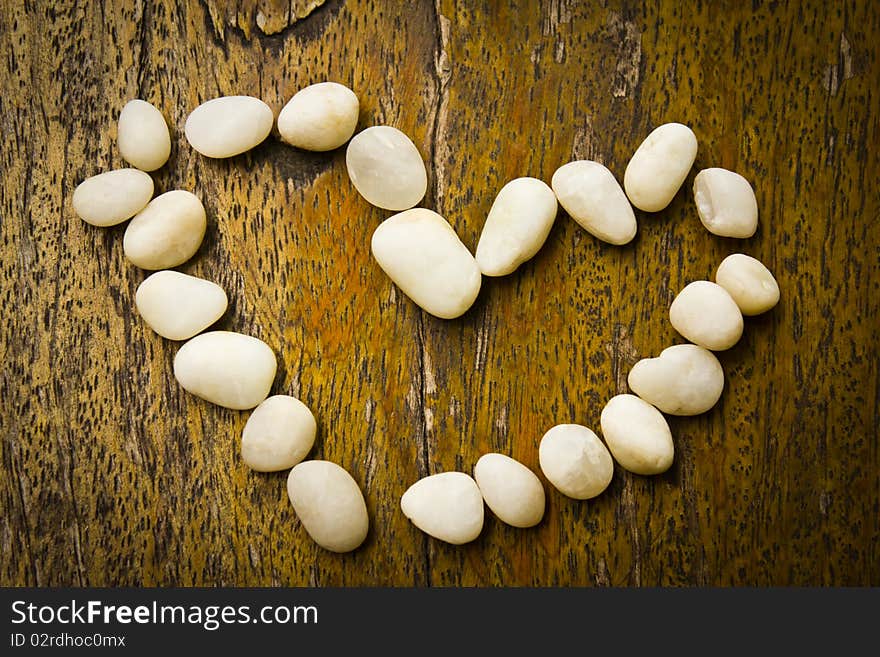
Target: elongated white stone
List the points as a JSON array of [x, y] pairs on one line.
[[421, 253], [517, 226], [177, 306], [143, 136], [320, 117], [751, 285], [575, 461], [593, 198], [278, 434], [167, 232], [683, 380], [659, 166], [726, 203], [637, 435], [228, 126], [512, 491], [225, 368], [386, 168], [112, 197], [330, 505], [448, 506], [704, 313]]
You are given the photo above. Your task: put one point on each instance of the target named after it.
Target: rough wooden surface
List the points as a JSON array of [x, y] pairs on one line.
[[112, 475]]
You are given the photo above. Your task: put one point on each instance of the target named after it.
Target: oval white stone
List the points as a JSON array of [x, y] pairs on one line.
[[278, 434], [683, 380], [177, 306], [447, 506], [421, 253], [386, 168], [517, 226], [330, 505], [705, 314], [228, 126], [167, 232], [112, 197], [726, 203], [225, 368], [659, 166], [512, 491], [637, 435], [593, 198], [320, 117], [749, 282], [143, 136], [575, 461]]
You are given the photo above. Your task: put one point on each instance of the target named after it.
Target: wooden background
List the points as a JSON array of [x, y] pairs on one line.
[[112, 475]]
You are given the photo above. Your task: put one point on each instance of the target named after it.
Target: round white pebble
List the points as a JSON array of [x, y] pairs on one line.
[[512, 491], [112, 197], [726, 203], [575, 461], [421, 253], [516, 227], [448, 506], [225, 368], [167, 232], [749, 282], [278, 434], [386, 169], [330, 505], [683, 380], [659, 166], [228, 126], [593, 198], [637, 435], [320, 117], [177, 306], [143, 136], [705, 314]]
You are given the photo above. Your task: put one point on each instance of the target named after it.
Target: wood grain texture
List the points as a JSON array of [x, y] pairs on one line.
[[112, 475]]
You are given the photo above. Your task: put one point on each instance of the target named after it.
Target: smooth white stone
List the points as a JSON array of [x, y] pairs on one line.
[[329, 504], [421, 253], [320, 117], [386, 168], [167, 232], [112, 197], [726, 203], [228, 126], [750, 284], [448, 506], [593, 198], [704, 313], [511, 490], [225, 368], [683, 380], [517, 226], [637, 435], [659, 166], [143, 136], [177, 306], [278, 434], [575, 461]]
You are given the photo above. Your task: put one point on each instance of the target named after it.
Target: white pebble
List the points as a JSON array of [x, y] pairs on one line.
[[278, 434], [705, 314], [726, 203], [421, 253], [227, 369], [386, 169], [228, 126], [448, 506], [143, 136], [637, 435], [749, 282], [516, 227], [167, 232], [575, 461], [112, 197], [592, 197], [320, 117], [659, 166], [683, 380], [329, 504], [512, 491], [177, 306]]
